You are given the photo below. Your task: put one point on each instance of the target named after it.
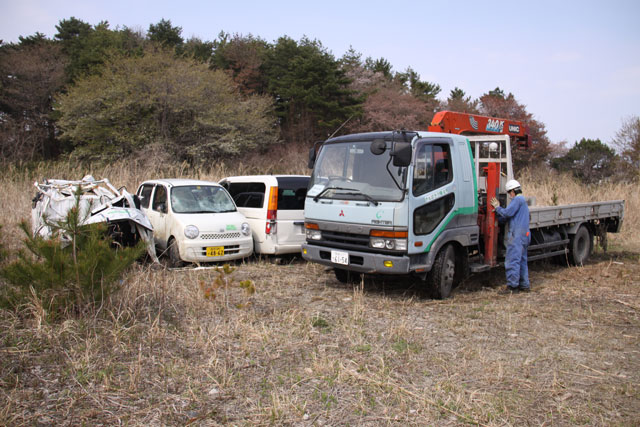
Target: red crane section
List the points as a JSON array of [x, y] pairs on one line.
[[473, 124]]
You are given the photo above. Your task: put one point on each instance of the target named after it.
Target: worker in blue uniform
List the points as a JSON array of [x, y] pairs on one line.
[[518, 237]]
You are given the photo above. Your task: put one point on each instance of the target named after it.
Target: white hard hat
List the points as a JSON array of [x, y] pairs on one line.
[[512, 184]]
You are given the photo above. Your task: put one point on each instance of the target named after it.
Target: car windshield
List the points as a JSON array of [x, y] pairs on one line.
[[349, 170], [201, 199]]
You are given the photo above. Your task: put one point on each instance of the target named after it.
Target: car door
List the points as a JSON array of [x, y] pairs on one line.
[[250, 200], [292, 192], [158, 215]]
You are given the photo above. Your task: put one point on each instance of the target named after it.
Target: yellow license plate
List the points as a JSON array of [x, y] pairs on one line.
[[215, 251]]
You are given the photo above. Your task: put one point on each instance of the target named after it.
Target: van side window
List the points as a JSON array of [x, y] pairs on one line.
[[160, 199], [145, 195], [247, 194]]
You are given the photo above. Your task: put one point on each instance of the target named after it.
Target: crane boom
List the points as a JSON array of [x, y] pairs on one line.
[[473, 124]]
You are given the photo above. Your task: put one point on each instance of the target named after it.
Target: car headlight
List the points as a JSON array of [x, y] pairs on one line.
[[191, 231], [246, 230]]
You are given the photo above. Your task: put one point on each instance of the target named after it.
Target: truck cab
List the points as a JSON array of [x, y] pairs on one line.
[[388, 202]]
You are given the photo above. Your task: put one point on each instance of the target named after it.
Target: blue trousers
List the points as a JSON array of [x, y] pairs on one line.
[[516, 261]]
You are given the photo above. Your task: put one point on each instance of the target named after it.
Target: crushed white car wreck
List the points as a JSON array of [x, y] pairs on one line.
[[99, 202]]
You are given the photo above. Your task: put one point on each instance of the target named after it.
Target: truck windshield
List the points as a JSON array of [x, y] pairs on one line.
[[200, 199], [349, 171]]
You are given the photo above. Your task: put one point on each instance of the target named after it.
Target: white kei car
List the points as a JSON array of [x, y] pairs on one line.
[[194, 221]]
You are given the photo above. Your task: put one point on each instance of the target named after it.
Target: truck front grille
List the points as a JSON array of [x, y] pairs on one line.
[[347, 239]]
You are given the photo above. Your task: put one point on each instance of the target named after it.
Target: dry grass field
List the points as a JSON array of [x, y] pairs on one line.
[[306, 350]]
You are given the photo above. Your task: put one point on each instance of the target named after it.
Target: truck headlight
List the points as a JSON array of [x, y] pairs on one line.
[[401, 244], [246, 230], [390, 244], [377, 242], [314, 234], [191, 231], [389, 240]]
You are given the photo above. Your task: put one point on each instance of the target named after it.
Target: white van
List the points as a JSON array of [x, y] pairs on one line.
[[274, 207], [194, 221]]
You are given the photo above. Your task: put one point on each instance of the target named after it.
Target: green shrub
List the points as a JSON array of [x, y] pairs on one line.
[[66, 277]]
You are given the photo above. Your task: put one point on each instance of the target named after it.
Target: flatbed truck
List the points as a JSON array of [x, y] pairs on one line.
[[418, 203]]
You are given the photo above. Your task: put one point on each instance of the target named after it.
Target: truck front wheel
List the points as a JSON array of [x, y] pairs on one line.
[[440, 279], [346, 276], [580, 246]]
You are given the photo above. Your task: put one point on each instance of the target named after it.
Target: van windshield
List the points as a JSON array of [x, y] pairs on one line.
[[201, 199], [349, 170]]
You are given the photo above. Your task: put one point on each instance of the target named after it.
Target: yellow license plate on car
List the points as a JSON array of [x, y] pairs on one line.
[[215, 251]]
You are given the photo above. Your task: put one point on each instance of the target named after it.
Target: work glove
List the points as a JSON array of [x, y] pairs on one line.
[[495, 203]]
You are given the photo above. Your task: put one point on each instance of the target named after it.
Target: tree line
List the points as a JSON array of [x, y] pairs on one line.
[[93, 92]]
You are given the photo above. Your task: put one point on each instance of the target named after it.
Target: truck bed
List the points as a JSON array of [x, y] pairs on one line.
[[546, 216]]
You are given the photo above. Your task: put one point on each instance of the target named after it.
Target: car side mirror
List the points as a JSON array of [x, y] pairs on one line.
[[401, 154]]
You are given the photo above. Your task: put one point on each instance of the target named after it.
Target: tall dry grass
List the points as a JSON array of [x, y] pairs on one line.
[[16, 181], [553, 188], [548, 187]]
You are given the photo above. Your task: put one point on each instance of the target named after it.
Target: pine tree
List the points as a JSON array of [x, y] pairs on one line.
[[67, 277]]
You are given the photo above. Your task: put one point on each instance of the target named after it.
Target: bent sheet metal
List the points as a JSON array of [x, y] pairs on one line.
[[99, 202]]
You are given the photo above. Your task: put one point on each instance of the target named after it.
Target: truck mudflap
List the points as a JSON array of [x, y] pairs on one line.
[[361, 262]]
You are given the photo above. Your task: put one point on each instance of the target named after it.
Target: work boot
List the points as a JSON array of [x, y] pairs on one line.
[[523, 289], [507, 290]]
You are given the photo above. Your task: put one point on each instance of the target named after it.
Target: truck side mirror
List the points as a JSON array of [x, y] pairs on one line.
[[312, 157], [378, 146], [401, 154], [313, 154]]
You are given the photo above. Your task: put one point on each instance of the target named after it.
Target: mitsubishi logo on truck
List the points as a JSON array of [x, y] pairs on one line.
[[341, 213]]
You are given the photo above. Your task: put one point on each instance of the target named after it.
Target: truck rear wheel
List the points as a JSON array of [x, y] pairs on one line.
[[346, 276], [440, 279], [580, 246]]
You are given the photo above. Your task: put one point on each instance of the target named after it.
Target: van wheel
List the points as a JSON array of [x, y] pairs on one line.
[[346, 276], [440, 279], [581, 246], [174, 254]]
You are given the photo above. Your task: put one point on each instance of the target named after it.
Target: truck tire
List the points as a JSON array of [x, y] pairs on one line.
[[346, 276], [580, 246], [174, 254], [440, 279]]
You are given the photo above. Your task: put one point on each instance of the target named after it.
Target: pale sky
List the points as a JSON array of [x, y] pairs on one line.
[[574, 64]]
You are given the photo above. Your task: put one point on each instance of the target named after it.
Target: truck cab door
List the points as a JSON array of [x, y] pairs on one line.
[[432, 191]]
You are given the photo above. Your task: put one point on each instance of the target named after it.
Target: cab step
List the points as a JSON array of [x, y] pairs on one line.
[[479, 268]]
